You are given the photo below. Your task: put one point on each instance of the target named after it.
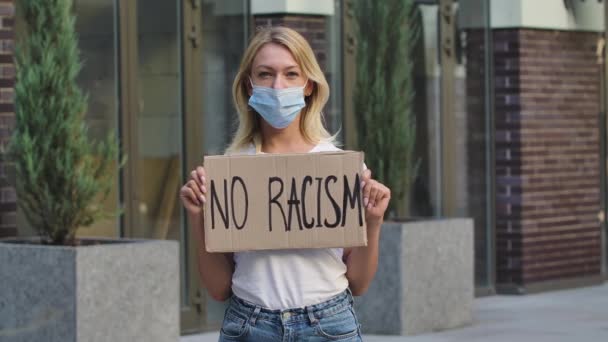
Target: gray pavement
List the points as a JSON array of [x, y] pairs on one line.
[[579, 315]]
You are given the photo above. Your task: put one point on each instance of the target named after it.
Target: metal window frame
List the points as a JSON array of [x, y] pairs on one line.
[[490, 150], [194, 315], [127, 110]]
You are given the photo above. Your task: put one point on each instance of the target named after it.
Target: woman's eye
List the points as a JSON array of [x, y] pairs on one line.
[[292, 74], [264, 74]]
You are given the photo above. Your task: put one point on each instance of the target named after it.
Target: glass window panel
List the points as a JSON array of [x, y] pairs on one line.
[[159, 126], [333, 70], [225, 34], [95, 27], [159, 120], [426, 188]]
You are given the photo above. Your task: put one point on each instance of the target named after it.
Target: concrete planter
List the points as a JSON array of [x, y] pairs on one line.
[[123, 290], [424, 281]]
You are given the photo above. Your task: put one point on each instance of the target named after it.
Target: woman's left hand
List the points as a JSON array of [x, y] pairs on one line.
[[376, 197]]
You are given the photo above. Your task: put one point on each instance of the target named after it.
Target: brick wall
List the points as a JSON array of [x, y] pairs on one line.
[[547, 104], [8, 225], [313, 28]]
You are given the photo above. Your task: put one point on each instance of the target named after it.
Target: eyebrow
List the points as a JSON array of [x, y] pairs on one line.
[[271, 68]]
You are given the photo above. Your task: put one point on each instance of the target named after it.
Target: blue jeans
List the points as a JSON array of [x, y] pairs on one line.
[[332, 320]]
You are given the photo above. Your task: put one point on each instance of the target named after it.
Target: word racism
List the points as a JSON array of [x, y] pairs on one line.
[[237, 199]]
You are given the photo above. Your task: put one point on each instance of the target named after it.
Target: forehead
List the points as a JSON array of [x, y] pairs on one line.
[[275, 56]]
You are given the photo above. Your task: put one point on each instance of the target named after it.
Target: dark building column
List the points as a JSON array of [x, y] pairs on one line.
[[8, 201], [477, 141]]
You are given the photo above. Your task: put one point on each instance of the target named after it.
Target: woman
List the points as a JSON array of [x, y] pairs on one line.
[[278, 295]]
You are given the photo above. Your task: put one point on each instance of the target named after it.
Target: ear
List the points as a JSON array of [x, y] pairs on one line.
[[310, 86]]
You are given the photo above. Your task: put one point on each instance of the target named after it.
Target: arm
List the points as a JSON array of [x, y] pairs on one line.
[[215, 269], [362, 262]]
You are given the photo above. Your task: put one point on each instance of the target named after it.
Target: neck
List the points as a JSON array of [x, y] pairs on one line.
[[287, 140]]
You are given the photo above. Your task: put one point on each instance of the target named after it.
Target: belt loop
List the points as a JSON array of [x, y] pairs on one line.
[[254, 315], [311, 316], [351, 299]]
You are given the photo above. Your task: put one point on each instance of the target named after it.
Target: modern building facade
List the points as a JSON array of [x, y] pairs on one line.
[[510, 105]]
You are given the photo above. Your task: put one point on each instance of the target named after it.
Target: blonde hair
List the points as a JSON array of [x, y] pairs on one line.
[[311, 124]]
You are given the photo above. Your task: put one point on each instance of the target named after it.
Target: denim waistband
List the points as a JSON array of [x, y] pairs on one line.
[[336, 304]]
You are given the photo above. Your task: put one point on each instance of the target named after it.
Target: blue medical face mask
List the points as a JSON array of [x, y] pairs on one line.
[[279, 107]]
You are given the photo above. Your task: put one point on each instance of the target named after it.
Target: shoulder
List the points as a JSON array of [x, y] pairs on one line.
[[249, 149], [326, 146], [330, 147]]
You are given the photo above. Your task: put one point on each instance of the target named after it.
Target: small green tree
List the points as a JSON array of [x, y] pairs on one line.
[[62, 177], [384, 93]]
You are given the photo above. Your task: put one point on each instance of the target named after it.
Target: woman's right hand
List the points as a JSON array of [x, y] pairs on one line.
[[194, 191]]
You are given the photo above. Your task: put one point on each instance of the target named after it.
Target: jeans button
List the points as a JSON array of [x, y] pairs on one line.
[[286, 315]]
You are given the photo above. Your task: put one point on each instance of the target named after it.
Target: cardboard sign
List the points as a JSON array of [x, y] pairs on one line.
[[282, 201]]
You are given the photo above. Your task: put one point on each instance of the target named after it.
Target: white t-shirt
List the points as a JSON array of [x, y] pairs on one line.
[[287, 279]]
